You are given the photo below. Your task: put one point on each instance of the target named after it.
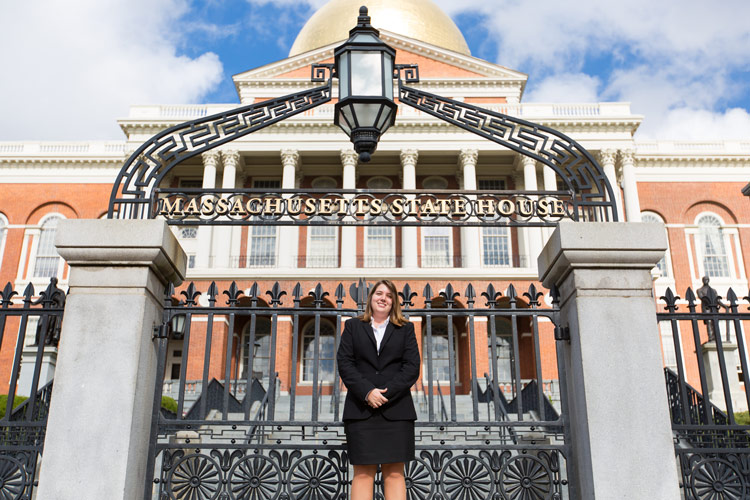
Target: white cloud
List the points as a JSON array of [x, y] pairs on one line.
[[698, 125], [71, 68], [565, 87]]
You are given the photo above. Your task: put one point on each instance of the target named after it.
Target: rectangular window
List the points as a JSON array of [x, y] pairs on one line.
[[436, 246], [496, 246], [191, 183], [262, 248], [491, 184], [322, 247], [266, 184], [379, 247], [47, 262], [667, 345]]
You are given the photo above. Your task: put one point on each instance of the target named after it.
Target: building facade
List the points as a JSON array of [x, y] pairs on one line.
[[693, 188]]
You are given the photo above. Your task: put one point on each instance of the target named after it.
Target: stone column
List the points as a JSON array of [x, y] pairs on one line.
[[288, 246], [713, 375], [100, 416], [409, 239], [470, 236], [629, 186], [608, 157], [205, 233], [620, 428], [550, 184], [349, 233], [533, 234], [223, 234]]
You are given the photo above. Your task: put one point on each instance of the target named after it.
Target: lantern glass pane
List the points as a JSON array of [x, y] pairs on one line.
[[348, 115], [388, 76], [365, 38], [384, 119], [367, 74], [345, 126], [367, 114], [343, 75]]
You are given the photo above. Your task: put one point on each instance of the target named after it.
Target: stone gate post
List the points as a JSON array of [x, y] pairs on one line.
[[621, 437], [100, 415]]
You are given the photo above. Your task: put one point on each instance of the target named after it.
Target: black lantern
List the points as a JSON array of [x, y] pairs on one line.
[[364, 66]]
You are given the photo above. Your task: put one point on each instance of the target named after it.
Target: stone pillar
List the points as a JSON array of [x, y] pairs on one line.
[[713, 375], [533, 234], [349, 159], [550, 184], [409, 239], [617, 408], [223, 234], [629, 186], [205, 233], [608, 157], [100, 416], [288, 235], [470, 236]]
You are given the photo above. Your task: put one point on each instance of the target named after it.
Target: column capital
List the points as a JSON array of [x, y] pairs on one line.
[[290, 157], [210, 158], [608, 156], [409, 157], [230, 157], [349, 157], [468, 157], [627, 156], [528, 161]]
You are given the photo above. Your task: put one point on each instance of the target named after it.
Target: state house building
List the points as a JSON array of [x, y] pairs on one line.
[[693, 187]]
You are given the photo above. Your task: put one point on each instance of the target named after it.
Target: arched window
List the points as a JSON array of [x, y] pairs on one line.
[[48, 262], [439, 351], [261, 350], [664, 264], [711, 247], [3, 233], [326, 353]]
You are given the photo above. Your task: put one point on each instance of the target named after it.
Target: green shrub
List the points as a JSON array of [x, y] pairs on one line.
[[4, 402], [169, 404], [742, 418]]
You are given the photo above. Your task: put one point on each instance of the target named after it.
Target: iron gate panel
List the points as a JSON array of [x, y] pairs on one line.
[[23, 428], [712, 449], [479, 435]]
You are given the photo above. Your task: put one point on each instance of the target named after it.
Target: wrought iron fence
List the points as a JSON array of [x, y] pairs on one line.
[[707, 391], [290, 441], [29, 328]]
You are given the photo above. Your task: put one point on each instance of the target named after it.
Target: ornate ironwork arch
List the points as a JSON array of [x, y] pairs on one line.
[[134, 187], [134, 190]]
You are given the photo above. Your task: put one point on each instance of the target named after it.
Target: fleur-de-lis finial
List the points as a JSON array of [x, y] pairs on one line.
[[191, 293], [491, 295], [406, 296], [276, 293]]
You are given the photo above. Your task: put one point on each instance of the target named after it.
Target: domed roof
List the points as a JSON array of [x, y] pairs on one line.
[[418, 19]]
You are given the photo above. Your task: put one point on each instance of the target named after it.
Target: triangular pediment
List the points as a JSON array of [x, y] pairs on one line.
[[434, 63]]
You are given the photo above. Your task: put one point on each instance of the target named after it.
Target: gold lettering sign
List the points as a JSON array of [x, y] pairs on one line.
[[357, 208]]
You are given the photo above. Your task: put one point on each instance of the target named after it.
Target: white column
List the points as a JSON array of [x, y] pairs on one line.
[[205, 233], [223, 234], [617, 404], [348, 245], [608, 157], [550, 184], [104, 384], [533, 234], [288, 247], [629, 186], [470, 236], [409, 240]]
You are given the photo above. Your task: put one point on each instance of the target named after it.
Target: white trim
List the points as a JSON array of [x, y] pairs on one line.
[[668, 252], [3, 236]]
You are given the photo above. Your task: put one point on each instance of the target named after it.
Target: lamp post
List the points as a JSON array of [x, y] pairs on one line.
[[364, 66]]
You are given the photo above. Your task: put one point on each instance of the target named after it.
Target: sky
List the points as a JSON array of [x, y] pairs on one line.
[[72, 68]]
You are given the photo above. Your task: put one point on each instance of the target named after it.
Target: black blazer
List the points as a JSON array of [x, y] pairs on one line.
[[362, 369]]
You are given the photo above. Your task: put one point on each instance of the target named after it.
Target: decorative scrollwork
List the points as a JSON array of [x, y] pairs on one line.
[[314, 478], [466, 477], [716, 479], [12, 478], [255, 477], [196, 477], [525, 477]]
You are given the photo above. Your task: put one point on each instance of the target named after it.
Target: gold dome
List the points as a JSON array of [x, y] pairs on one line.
[[418, 19]]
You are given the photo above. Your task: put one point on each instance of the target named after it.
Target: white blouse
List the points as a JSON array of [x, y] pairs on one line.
[[379, 331]]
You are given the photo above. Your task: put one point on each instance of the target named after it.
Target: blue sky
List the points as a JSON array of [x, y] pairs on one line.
[[72, 68]]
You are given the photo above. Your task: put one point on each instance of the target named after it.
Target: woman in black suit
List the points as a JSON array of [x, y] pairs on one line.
[[379, 361]]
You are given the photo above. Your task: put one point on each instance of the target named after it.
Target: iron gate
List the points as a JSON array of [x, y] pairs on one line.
[[711, 443], [243, 433], [29, 324]]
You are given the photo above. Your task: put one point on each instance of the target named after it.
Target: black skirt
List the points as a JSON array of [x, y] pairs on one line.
[[377, 440]]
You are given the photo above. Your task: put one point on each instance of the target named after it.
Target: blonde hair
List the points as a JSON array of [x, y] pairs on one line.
[[396, 316]]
